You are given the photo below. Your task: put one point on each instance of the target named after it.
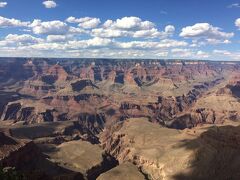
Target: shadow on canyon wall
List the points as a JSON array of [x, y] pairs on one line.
[[217, 155]]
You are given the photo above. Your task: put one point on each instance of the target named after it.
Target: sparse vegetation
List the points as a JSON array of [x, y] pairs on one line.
[[10, 173]]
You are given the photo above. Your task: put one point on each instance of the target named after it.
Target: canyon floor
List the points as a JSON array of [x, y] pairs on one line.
[[120, 119]]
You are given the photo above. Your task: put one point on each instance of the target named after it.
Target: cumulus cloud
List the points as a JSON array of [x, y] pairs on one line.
[[86, 22], [237, 23], [205, 33], [169, 29], [23, 38], [6, 22], [166, 43], [76, 30], [218, 41], [205, 30], [154, 33], [88, 37], [50, 4], [109, 33], [130, 23], [58, 38], [89, 43], [3, 4], [19, 40], [49, 27], [147, 33], [131, 27], [65, 43]]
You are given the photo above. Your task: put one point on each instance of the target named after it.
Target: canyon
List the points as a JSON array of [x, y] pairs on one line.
[[113, 118]]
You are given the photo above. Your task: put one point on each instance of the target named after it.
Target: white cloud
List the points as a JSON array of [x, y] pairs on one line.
[[48, 47], [23, 38], [98, 41], [217, 41], [204, 30], [169, 29], [154, 33], [72, 19], [49, 27], [89, 24], [147, 33], [86, 22], [144, 39], [129, 23], [169, 43], [50, 4], [95, 42], [131, 27], [163, 44], [5, 22], [58, 38], [74, 30], [19, 40], [68, 43], [109, 33], [3, 4], [237, 23]]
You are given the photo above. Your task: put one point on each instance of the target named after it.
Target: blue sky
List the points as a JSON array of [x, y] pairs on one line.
[[188, 29]]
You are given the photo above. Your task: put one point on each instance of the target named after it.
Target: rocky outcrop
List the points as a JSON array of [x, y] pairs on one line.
[[57, 73], [87, 127], [124, 171], [80, 85], [163, 153], [199, 116], [161, 90], [88, 73], [28, 159], [28, 112], [57, 101], [79, 156], [213, 108]]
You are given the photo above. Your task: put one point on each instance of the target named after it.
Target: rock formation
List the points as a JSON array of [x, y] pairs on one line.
[[154, 119]]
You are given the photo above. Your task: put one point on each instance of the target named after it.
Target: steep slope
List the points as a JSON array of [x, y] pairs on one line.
[[163, 153], [125, 171]]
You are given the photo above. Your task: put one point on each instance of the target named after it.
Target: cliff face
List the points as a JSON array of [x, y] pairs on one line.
[[215, 107], [17, 153], [163, 153], [121, 171], [164, 91], [26, 157], [28, 112], [154, 113]]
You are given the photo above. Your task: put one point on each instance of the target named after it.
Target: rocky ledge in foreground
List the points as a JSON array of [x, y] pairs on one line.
[[26, 158], [199, 153], [125, 171], [80, 156]]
